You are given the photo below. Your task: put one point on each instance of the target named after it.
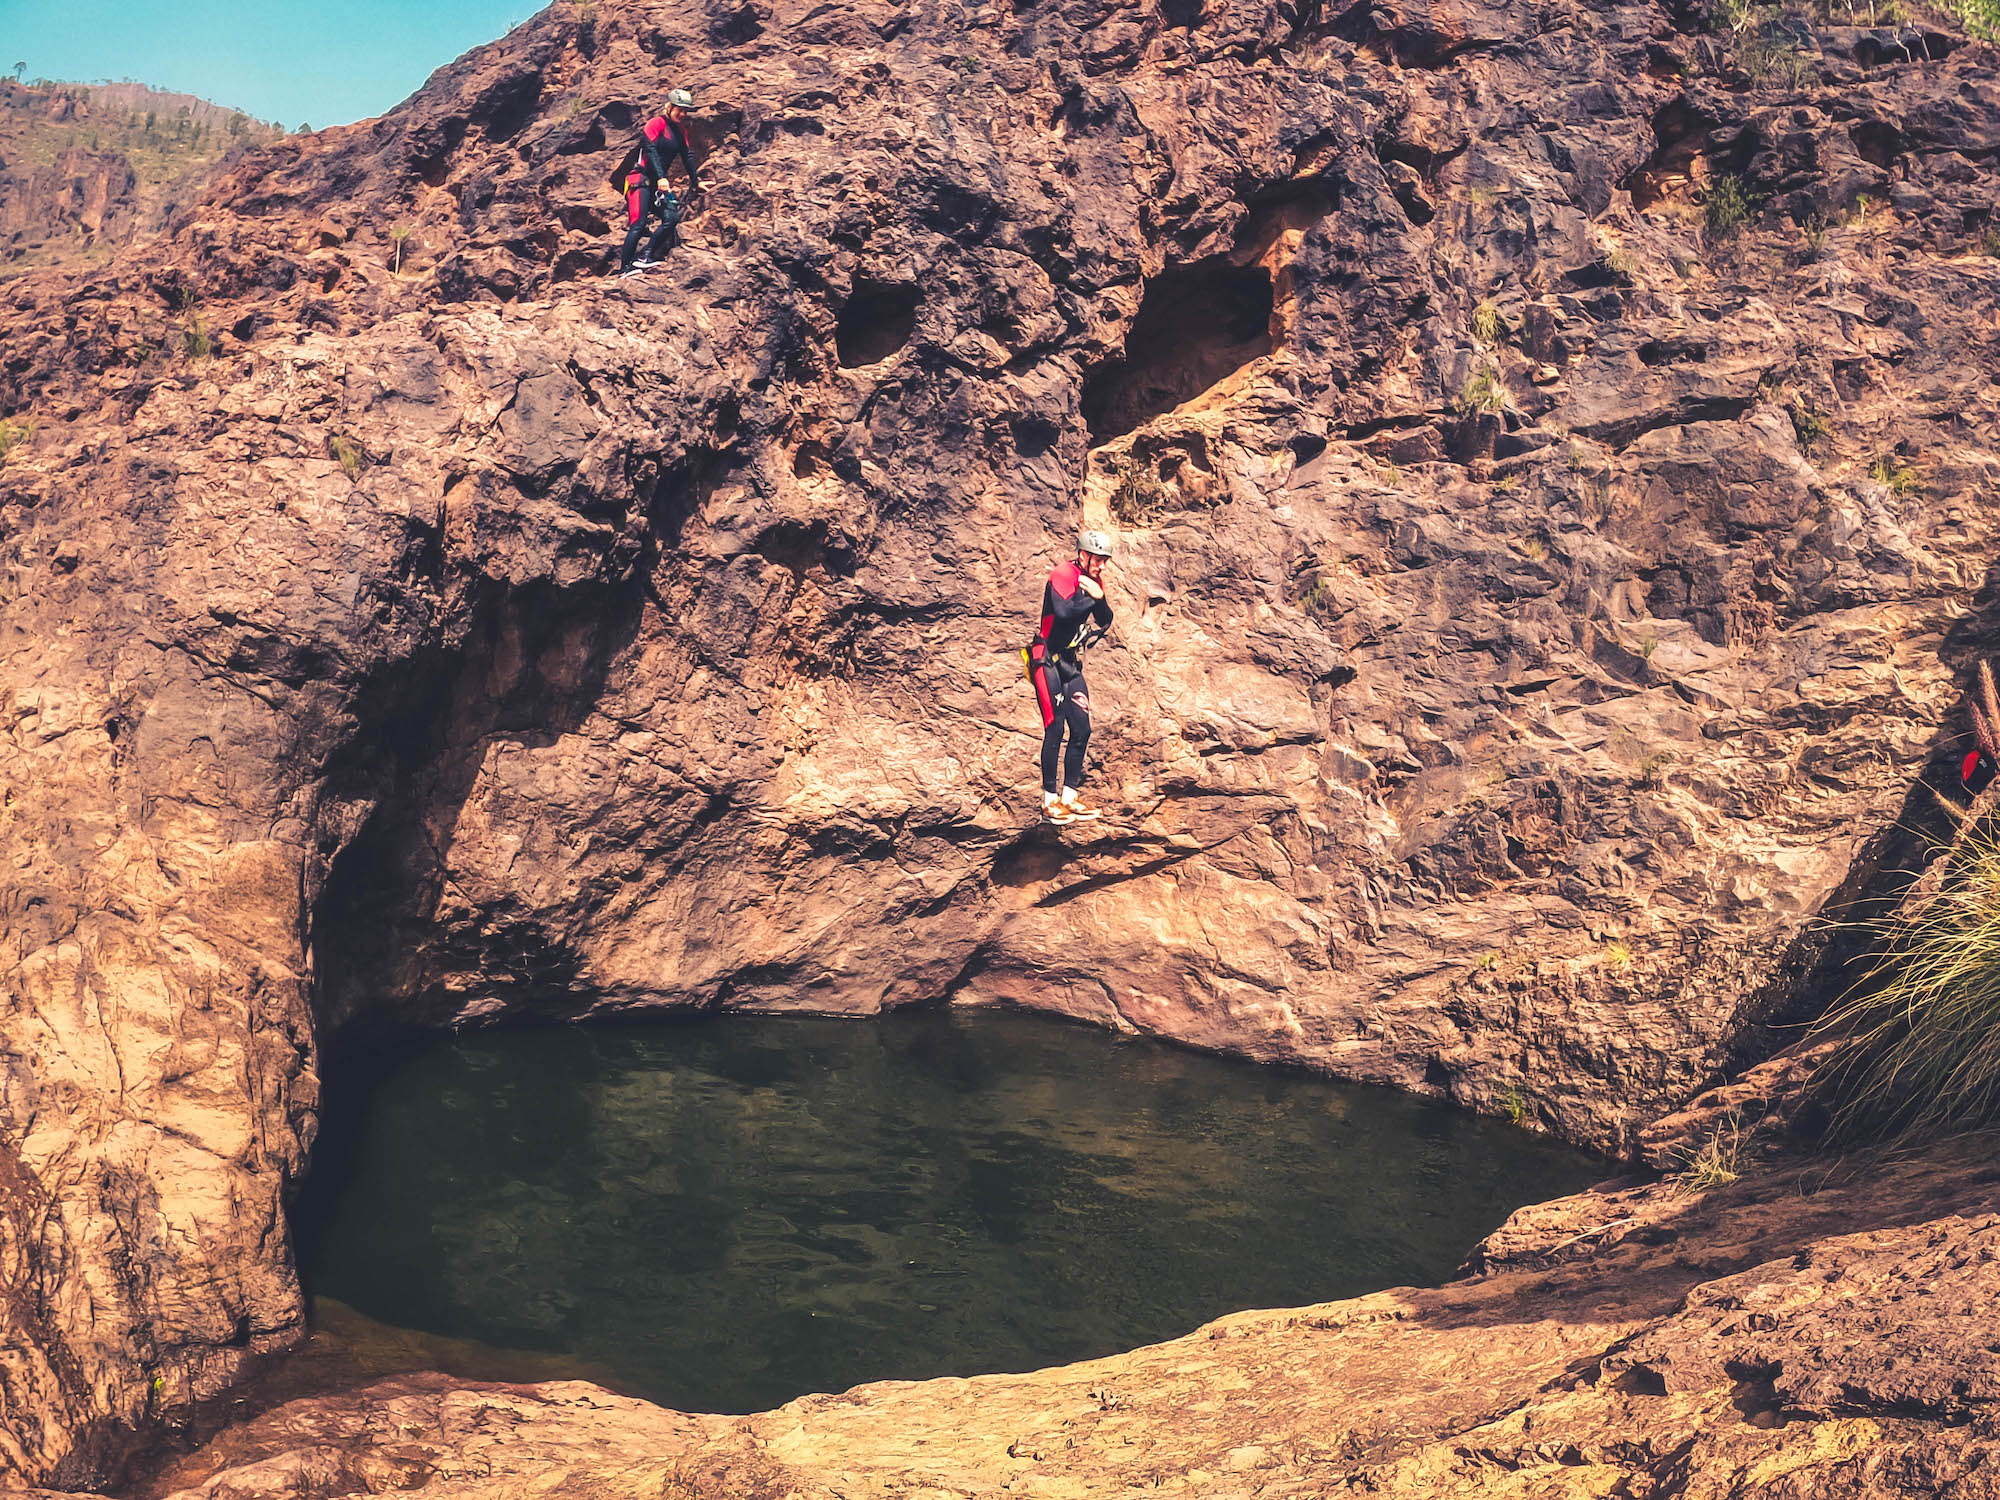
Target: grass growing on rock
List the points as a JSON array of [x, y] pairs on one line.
[[11, 434], [1139, 495], [1980, 18], [1919, 1050], [1482, 392], [1894, 475], [1728, 208], [345, 452], [1716, 1163]]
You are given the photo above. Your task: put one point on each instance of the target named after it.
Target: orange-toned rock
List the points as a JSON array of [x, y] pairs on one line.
[[407, 626]]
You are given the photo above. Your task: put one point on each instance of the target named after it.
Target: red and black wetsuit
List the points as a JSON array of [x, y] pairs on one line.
[[659, 143], [1057, 672], [1976, 771]]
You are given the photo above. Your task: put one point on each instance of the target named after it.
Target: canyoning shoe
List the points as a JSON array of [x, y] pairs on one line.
[[1079, 810], [1054, 810]]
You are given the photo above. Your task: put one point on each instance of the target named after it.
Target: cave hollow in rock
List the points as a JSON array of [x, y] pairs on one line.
[[876, 320], [1197, 324]]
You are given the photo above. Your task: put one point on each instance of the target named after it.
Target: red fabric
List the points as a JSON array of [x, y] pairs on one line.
[[1968, 766], [1042, 698], [632, 199], [1062, 579]]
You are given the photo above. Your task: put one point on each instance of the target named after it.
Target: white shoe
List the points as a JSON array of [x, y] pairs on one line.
[[1055, 810], [1077, 808]]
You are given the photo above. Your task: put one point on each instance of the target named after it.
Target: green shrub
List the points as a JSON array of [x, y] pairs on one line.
[[1980, 18], [1717, 1162], [1486, 324], [1653, 768], [1140, 494], [1809, 424], [1774, 58], [1482, 392], [1812, 241], [1863, 12], [195, 341], [11, 434], [1891, 472], [1728, 207], [345, 452], [1919, 1038], [1735, 17]]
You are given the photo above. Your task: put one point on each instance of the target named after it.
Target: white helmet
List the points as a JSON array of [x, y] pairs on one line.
[[680, 99], [1094, 542]]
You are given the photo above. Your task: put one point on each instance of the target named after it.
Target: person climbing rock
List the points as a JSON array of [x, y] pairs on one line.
[[1074, 613], [642, 177]]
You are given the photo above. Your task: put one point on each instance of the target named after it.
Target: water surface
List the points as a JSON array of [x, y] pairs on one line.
[[724, 1214]]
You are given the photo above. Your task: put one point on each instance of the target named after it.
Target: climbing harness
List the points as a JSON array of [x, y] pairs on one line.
[[1087, 637]]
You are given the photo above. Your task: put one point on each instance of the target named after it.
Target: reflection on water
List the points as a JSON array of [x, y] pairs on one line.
[[729, 1213]]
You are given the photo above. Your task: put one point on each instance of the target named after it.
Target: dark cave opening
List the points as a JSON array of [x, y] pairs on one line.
[[1196, 325], [515, 661], [876, 320]]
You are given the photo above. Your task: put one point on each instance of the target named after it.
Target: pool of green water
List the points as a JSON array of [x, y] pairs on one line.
[[722, 1215]]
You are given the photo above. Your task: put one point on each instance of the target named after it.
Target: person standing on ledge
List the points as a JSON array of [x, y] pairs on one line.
[[1074, 614], [643, 178]]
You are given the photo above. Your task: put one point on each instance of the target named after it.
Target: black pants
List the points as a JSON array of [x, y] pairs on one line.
[[1064, 698], [669, 209]]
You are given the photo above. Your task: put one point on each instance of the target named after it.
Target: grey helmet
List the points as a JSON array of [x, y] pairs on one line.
[[1094, 542], [681, 99]]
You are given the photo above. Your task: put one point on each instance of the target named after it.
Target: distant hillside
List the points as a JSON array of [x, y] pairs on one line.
[[87, 168]]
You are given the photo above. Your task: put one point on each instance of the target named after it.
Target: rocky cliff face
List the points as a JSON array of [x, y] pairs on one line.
[[1545, 453], [86, 169]]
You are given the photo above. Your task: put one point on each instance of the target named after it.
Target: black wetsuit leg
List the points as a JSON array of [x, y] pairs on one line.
[[1068, 711], [646, 197], [1048, 689], [670, 218], [1076, 708]]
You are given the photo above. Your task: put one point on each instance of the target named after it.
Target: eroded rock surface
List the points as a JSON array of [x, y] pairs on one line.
[[1523, 636], [86, 169], [1803, 1335]]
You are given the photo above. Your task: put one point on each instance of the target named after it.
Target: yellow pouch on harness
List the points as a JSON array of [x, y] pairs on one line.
[[1027, 666]]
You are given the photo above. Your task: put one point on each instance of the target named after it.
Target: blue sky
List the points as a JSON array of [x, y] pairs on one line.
[[317, 62]]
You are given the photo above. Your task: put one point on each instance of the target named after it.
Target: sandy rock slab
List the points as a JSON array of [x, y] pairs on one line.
[[1816, 1331]]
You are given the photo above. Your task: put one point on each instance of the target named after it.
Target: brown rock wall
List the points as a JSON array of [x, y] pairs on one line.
[[1523, 639]]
